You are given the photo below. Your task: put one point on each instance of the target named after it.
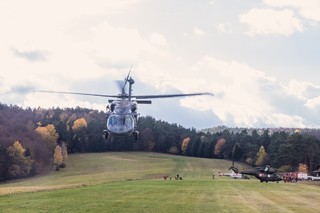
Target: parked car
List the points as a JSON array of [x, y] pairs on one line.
[[302, 176], [313, 178]]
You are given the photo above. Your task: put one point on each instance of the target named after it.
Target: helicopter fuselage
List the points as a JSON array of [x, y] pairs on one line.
[[264, 174], [121, 117], [120, 124]]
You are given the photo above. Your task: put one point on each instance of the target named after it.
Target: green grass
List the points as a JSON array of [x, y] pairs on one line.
[[132, 182]]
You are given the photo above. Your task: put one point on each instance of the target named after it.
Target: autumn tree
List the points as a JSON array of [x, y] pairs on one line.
[[79, 124], [19, 165], [52, 131], [49, 134], [261, 156], [218, 147], [63, 117], [184, 145], [80, 137], [303, 168], [57, 157]]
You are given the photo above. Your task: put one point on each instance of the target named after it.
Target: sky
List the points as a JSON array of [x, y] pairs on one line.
[[258, 57]]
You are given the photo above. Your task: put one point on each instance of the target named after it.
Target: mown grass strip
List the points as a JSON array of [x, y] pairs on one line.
[[132, 182]]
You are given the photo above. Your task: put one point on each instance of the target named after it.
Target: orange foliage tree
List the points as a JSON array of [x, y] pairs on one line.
[[57, 157], [261, 157], [303, 168], [79, 124], [184, 145], [19, 164], [218, 147], [49, 134]]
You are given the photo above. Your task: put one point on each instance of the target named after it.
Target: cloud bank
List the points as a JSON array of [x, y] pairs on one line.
[[85, 48]]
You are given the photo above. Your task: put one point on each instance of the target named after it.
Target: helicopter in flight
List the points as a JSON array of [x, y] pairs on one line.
[[121, 113]]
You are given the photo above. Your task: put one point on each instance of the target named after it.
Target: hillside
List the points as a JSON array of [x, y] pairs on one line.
[[97, 168], [132, 182], [29, 138]]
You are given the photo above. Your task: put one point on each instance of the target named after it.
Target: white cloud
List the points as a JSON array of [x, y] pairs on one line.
[[308, 93], [115, 44], [45, 46], [40, 27], [285, 120], [241, 103], [198, 31], [157, 39], [313, 103], [221, 28], [95, 41], [248, 97], [37, 99], [270, 21], [244, 96], [309, 9], [213, 2], [119, 45]]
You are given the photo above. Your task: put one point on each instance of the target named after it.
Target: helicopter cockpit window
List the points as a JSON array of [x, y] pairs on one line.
[[120, 123]]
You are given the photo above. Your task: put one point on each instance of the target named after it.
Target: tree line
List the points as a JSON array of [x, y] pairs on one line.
[[33, 140]]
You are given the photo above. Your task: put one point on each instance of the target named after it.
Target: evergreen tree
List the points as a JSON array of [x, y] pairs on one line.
[[3, 164]]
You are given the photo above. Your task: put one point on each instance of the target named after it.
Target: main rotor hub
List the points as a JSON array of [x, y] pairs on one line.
[[131, 81]]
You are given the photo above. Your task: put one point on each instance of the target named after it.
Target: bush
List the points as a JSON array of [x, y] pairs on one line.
[[174, 150], [286, 168], [62, 165]]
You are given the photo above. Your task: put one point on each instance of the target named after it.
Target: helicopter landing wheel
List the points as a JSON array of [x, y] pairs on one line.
[[136, 135], [106, 134]]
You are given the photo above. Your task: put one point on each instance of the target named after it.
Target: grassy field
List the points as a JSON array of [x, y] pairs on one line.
[[133, 182]]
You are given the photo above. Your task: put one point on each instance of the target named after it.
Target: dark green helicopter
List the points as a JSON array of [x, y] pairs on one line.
[[264, 174]]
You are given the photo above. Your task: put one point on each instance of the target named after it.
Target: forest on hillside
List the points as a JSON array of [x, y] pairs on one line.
[[29, 138]]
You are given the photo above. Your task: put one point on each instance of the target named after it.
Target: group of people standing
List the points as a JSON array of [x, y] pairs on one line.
[[177, 177]]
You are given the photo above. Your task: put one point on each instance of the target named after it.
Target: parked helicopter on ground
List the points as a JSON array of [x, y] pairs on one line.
[[122, 116], [264, 174]]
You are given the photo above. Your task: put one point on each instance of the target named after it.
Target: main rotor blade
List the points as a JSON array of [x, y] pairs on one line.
[[121, 86], [80, 93], [171, 95], [126, 79], [126, 96]]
